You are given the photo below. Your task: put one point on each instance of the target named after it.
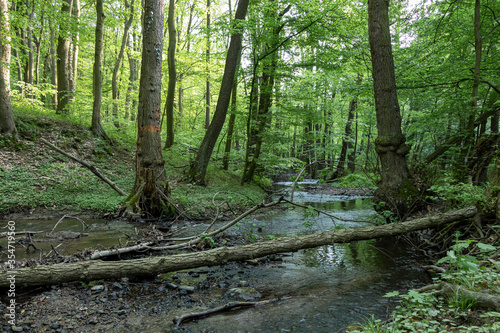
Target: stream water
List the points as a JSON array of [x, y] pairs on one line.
[[325, 289], [331, 287]]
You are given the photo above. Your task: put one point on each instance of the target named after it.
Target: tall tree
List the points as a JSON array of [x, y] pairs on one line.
[[172, 74], [63, 62], [96, 126], [73, 73], [198, 167], [207, 90], [151, 192], [7, 125], [396, 189]]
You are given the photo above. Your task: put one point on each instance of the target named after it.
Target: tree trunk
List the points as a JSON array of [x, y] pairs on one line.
[[114, 81], [396, 188], [132, 62], [97, 269], [7, 125], [96, 126], [63, 75], [198, 167], [207, 90], [346, 140], [151, 193], [76, 41], [230, 125], [53, 64], [172, 74]]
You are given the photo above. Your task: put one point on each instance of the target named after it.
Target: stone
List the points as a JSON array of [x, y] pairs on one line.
[[243, 294]]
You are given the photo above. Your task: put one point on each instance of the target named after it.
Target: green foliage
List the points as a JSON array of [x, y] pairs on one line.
[[208, 239], [428, 312], [458, 194], [358, 180]]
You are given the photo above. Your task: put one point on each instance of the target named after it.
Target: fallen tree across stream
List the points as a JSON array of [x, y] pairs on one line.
[[98, 269]]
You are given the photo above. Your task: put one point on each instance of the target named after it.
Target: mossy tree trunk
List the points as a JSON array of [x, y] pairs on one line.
[[63, 44], [151, 192], [396, 189]]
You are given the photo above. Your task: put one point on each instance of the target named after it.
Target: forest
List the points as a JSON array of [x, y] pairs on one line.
[[187, 111]]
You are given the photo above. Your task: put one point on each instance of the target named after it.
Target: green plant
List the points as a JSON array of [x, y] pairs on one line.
[[206, 238]]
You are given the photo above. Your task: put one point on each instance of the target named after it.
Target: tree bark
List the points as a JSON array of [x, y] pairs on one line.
[[63, 43], [97, 269], [198, 168], [396, 188], [96, 126], [151, 193], [75, 49], [172, 74], [207, 90], [7, 125]]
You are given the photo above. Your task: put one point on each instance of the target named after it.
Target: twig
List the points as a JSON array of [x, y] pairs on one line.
[[298, 177], [73, 217], [178, 320], [107, 253], [87, 165], [325, 213], [196, 239]]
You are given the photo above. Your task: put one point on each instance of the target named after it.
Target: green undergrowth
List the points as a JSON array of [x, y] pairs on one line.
[[459, 310], [35, 176]]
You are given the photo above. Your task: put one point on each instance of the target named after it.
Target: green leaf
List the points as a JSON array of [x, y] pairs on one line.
[[392, 294]]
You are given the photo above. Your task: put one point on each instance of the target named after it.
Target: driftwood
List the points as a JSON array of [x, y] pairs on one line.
[[87, 165], [97, 269], [190, 316]]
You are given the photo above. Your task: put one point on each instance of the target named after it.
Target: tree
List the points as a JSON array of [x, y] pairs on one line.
[[7, 125], [63, 63], [151, 192], [396, 189], [198, 167], [96, 126], [172, 74]]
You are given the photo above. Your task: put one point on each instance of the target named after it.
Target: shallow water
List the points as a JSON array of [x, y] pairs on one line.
[[100, 234], [330, 287]]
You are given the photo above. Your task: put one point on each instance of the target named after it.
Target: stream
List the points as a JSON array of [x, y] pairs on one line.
[[325, 289]]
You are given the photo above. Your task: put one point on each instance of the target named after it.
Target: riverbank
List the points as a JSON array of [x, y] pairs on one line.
[[37, 182]]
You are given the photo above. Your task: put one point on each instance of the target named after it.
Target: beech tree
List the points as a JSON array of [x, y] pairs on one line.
[[151, 192], [96, 126], [7, 125], [63, 62]]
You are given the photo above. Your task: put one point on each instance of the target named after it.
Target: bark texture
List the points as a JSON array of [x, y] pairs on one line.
[[95, 270], [151, 192], [396, 189], [63, 64], [96, 126], [7, 125], [172, 74]]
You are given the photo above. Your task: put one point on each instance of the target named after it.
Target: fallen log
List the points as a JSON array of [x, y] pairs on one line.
[[97, 269]]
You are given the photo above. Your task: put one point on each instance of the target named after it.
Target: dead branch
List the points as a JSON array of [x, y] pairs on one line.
[[72, 217], [190, 316], [87, 165], [114, 252]]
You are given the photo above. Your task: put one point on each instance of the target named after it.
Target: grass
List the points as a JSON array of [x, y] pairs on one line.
[[34, 176]]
